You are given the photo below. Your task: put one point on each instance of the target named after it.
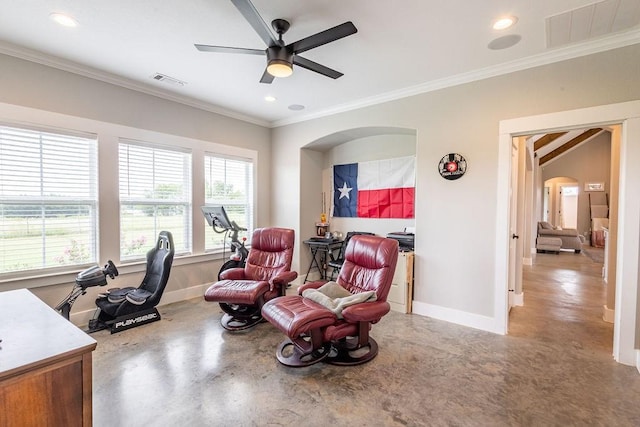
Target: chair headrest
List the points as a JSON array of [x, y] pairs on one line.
[[272, 239], [165, 241], [372, 251]]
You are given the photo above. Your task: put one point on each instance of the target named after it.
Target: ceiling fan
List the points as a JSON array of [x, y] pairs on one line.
[[281, 57]]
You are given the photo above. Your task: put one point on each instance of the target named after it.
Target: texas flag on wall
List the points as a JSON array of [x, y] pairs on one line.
[[376, 189]]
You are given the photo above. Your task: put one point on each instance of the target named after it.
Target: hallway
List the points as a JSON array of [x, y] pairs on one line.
[[564, 296], [554, 368]]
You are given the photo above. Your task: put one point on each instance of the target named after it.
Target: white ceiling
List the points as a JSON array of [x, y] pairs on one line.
[[401, 48]]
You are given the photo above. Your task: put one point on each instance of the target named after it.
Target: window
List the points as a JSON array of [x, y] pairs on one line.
[[48, 199], [229, 182], [155, 195]]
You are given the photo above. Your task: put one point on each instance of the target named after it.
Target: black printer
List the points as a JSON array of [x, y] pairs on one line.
[[404, 238]]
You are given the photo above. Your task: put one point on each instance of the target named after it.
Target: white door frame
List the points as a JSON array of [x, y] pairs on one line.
[[628, 247], [515, 265]]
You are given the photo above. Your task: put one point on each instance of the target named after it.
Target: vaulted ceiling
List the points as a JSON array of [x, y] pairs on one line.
[[548, 147]]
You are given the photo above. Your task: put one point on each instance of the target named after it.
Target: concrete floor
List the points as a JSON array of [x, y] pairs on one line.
[[553, 369]]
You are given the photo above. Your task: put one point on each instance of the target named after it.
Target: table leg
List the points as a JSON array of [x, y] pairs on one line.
[[314, 260]]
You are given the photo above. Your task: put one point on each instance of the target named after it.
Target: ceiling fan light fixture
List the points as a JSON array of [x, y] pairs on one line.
[[504, 22], [63, 19], [279, 68]]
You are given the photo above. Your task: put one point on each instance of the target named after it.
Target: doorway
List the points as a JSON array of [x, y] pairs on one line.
[[560, 202], [569, 206], [628, 244]]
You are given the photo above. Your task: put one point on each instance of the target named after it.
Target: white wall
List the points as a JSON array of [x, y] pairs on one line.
[[35, 94], [455, 269]]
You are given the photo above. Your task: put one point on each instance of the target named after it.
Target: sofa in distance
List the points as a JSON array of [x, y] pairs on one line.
[[569, 236]]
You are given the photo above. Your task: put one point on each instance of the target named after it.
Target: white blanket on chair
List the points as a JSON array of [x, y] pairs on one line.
[[336, 298]]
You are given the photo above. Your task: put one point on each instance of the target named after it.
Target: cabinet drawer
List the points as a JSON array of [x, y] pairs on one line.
[[401, 292], [398, 293]]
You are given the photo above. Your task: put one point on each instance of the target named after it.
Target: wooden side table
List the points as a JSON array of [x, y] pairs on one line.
[[45, 365]]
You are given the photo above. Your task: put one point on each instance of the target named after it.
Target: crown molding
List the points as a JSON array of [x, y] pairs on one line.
[[556, 55], [560, 54], [93, 73]]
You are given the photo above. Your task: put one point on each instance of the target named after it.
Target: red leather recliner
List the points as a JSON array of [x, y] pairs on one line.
[[241, 292], [316, 333]]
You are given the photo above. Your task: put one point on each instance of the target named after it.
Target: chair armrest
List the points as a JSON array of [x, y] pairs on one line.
[[283, 279], [366, 311], [310, 285], [232, 274], [571, 232]]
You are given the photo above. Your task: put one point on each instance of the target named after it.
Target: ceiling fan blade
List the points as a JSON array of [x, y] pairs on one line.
[[314, 66], [266, 77], [248, 10], [324, 37], [225, 49]]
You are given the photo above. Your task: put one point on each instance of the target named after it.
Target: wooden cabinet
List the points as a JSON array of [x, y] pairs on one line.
[[401, 292], [45, 365]]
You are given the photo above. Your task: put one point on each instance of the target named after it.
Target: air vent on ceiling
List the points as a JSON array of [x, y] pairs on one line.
[[595, 20], [166, 79]]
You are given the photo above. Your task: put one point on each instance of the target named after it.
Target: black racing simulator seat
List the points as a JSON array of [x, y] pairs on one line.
[[125, 308]]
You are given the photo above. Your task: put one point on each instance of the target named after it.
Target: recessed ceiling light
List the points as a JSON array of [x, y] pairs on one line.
[[504, 22], [270, 98], [64, 19], [296, 107]]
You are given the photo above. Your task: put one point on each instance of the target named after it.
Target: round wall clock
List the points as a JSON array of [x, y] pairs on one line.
[[452, 166]]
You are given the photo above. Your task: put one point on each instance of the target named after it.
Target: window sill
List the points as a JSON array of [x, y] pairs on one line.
[[69, 277]]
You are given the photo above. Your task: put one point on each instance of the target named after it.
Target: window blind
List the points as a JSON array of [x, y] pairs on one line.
[[155, 195], [48, 199], [229, 182]]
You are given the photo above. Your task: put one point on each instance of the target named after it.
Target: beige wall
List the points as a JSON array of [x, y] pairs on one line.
[[455, 221], [320, 160]]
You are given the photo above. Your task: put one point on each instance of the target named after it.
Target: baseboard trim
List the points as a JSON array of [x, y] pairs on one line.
[[638, 361], [518, 299], [608, 315], [527, 261], [458, 317]]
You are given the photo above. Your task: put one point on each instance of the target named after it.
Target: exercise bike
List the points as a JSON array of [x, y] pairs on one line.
[[217, 218], [92, 276]]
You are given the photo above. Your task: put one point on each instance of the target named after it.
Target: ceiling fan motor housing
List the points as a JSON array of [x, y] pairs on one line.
[[279, 54]]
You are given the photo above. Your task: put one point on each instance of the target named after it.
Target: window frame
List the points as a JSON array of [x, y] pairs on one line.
[[248, 203], [90, 202], [187, 203], [108, 227]]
